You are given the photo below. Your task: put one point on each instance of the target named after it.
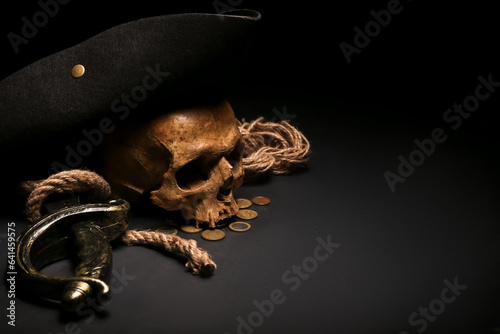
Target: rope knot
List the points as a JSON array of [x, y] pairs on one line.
[[66, 182], [277, 148]]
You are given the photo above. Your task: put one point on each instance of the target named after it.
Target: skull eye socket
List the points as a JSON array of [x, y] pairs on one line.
[[192, 175]]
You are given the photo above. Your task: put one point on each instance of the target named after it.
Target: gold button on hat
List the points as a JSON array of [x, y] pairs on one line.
[[77, 71]]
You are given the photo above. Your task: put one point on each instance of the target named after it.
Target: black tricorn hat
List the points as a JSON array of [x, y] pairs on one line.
[[99, 82]]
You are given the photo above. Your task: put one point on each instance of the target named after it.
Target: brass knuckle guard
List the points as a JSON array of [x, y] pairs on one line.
[[89, 228]]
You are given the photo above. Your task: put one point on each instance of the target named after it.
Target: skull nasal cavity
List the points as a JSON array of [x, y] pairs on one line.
[[225, 190], [191, 176]]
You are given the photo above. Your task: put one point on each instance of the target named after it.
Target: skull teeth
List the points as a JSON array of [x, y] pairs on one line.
[[214, 218]]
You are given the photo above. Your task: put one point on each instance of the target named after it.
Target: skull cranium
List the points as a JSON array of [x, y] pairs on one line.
[[187, 160]]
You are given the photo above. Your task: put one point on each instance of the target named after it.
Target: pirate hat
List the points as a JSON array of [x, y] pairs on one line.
[[102, 80]]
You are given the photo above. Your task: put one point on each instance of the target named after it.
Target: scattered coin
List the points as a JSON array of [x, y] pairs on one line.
[[243, 203], [247, 214], [190, 229], [261, 200], [167, 230], [213, 235], [239, 226]]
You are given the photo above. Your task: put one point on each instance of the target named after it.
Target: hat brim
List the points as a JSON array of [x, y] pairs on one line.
[[151, 58]]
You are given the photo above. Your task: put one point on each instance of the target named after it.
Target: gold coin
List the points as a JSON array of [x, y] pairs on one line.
[[239, 226], [247, 214], [243, 203], [167, 230], [190, 229], [261, 200], [213, 235]]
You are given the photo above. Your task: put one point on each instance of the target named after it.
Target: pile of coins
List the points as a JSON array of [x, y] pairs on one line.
[[244, 213]]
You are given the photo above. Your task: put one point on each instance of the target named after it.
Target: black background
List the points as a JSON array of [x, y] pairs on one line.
[[396, 248]]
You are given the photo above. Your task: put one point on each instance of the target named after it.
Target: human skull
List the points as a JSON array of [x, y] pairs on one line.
[[187, 160]]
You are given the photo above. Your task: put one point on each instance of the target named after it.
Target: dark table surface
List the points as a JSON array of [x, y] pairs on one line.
[[336, 251]]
